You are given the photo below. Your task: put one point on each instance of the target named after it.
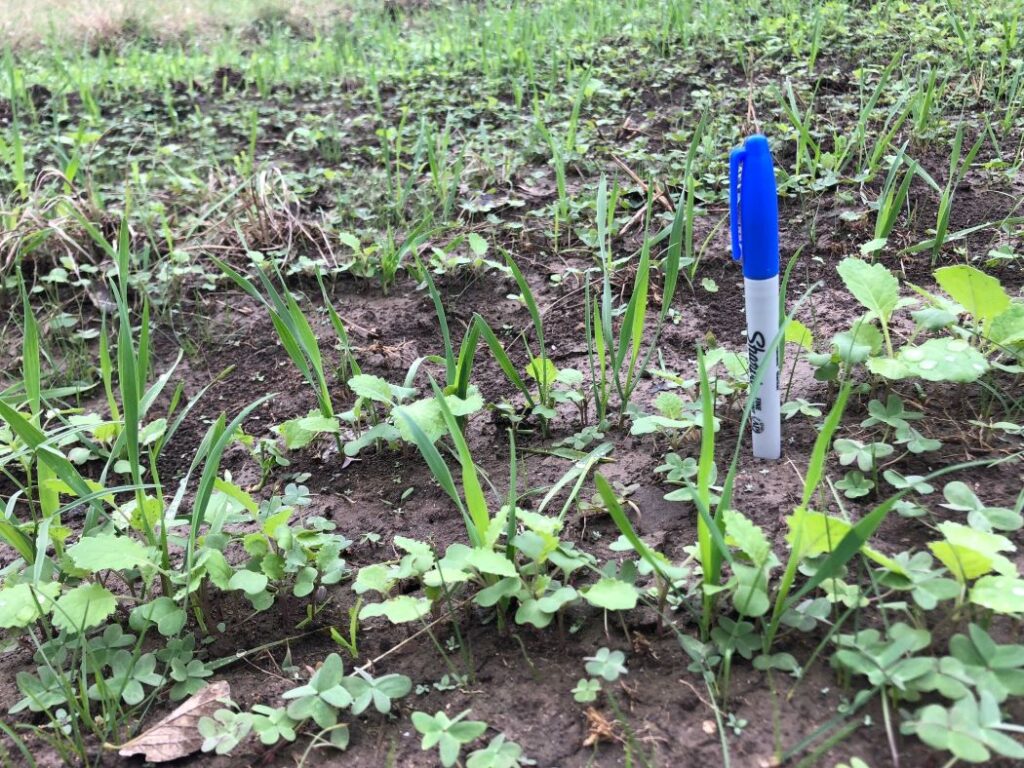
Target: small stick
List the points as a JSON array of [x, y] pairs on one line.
[[659, 195], [413, 636]]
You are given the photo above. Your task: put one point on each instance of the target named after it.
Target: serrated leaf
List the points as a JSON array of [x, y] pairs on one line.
[[970, 553], [612, 595], [489, 561], [250, 582], [375, 578], [84, 607], [1002, 594], [398, 610], [298, 433], [477, 244], [541, 369], [980, 294], [872, 285], [1007, 329], [377, 389], [110, 552], [799, 334], [857, 344], [747, 536], [19, 607]]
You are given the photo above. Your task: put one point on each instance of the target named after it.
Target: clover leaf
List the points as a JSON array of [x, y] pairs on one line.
[[379, 691], [498, 754], [969, 729], [915, 483], [960, 498], [449, 735], [586, 690], [866, 455], [606, 664], [886, 660], [891, 413], [322, 697], [854, 484], [127, 678]]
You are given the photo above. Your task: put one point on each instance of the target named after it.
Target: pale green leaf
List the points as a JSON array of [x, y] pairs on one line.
[[110, 552], [85, 606], [398, 610], [980, 294], [612, 595], [873, 285]]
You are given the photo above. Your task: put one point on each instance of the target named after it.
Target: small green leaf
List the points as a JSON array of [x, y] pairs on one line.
[[1002, 594], [980, 294], [489, 561], [85, 606], [18, 605], [872, 285], [612, 595], [606, 664], [110, 552], [543, 370], [477, 244], [946, 359], [250, 582], [398, 610]]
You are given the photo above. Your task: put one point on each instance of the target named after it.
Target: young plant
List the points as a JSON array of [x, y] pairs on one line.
[[448, 734], [295, 333], [890, 201], [614, 349]]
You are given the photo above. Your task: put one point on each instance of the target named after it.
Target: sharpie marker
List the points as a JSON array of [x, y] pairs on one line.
[[754, 217]]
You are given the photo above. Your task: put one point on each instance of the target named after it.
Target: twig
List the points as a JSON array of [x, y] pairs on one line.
[[659, 194], [368, 665]]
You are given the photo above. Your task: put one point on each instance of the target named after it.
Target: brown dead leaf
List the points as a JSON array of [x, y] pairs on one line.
[[177, 735], [599, 728]]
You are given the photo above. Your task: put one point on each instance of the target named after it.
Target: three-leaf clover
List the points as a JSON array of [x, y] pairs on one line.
[[891, 413], [188, 676], [379, 691], [886, 660], [272, 724], [606, 664], [915, 483], [915, 441], [854, 484], [866, 455], [801, 406], [127, 677], [969, 729], [225, 730], [960, 498], [322, 697], [586, 690], [918, 574], [498, 754], [998, 669], [449, 735]]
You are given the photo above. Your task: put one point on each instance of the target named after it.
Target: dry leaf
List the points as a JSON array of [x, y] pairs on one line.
[[177, 735], [599, 728]]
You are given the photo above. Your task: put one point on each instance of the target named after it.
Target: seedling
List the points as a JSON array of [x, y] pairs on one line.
[[449, 735], [607, 664]]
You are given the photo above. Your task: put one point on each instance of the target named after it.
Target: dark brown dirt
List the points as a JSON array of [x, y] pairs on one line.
[[522, 683]]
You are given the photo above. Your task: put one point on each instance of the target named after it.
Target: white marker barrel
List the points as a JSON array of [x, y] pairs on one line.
[[762, 297]]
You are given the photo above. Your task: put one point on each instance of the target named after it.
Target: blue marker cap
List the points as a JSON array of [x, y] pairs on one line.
[[754, 209]]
